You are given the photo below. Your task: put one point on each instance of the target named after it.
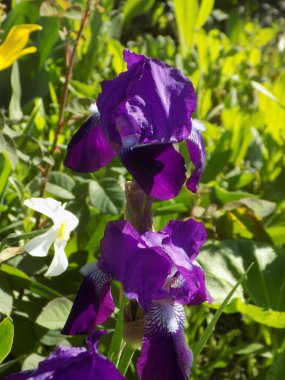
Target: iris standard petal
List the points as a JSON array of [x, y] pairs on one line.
[[142, 271], [88, 149], [158, 168], [187, 236], [113, 93], [165, 354], [93, 304], [196, 150], [46, 206], [59, 263], [40, 245], [168, 96]]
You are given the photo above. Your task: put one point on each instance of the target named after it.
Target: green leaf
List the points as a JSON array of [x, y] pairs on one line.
[[205, 10], [10, 363], [15, 111], [6, 337], [6, 298], [270, 318], [260, 207], [225, 196], [49, 37], [25, 282], [107, 196], [225, 261], [186, 12], [49, 8], [277, 370], [32, 361], [260, 88], [133, 8], [54, 314], [210, 328], [61, 185]]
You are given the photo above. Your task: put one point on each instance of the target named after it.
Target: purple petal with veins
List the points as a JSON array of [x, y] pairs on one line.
[[93, 303], [165, 354]]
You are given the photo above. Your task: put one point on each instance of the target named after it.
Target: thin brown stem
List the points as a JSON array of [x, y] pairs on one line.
[[63, 101]]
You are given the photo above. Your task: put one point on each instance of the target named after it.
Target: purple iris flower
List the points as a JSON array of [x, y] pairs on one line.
[[74, 363], [141, 113], [159, 270]]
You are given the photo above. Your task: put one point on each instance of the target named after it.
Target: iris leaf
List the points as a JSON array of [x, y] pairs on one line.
[[210, 328]]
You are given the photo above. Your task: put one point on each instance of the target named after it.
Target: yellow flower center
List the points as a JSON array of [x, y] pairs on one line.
[[63, 231]]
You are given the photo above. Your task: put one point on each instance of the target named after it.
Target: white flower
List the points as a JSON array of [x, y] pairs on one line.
[[63, 223]]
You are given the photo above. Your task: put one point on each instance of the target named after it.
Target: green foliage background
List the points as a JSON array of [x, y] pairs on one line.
[[234, 52]]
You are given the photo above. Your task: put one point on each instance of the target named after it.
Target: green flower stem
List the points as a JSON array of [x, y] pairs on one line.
[[115, 349]]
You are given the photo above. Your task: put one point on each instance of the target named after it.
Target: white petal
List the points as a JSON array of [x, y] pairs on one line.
[[198, 125], [71, 220], [94, 109], [59, 263], [46, 206], [39, 245]]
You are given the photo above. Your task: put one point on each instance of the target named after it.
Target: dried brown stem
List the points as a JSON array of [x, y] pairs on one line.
[[63, 101]]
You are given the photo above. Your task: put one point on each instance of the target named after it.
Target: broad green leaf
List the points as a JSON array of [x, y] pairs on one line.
[[49, 8], [32, 361], [270, 318], [24, 281], [186, 12], [133, 8], [264, 287], [63, 180], [260, 207], [277, 370], [205, 10], [15, 111], [74, 12], [225, 196], [277, 234], [54, 314], [107, 195], [6, 337], [6, 297]]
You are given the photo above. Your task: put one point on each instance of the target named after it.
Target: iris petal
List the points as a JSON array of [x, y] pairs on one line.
[[158, 168], [74, 363], [165, 354], [141, 270], [196, 149], [88, 149], [93, 303]]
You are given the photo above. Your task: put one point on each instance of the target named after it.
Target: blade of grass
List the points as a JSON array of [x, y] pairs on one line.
[[126, 359], [206, 334]]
